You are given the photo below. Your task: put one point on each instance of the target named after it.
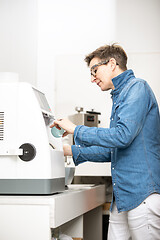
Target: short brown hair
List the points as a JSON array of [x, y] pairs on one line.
[[107, 52]]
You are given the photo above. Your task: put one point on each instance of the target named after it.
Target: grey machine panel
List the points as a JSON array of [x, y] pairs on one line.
[[31, 186]]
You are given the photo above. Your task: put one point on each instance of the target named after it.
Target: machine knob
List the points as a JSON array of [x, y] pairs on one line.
[[29, 152], [79, 109]]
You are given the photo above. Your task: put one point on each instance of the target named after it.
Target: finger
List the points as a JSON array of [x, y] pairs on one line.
[[56, 124], [58, 127], [53, 124], [65, 134]]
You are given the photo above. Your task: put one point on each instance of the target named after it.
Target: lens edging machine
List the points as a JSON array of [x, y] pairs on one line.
[[31, 159]]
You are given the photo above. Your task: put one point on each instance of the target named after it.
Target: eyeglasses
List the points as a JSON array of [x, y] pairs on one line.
[[94, 68]]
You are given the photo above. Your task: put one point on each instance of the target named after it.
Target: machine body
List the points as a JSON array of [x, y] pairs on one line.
[[31, 159]]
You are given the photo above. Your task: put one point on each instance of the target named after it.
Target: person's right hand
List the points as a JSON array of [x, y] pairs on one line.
[[66, 124]]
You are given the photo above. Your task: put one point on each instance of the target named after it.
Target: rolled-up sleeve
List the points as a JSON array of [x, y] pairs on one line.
[[91, 154]]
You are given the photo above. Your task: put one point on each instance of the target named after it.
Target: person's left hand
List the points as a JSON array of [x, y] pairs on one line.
[[67, 150], [67, 125]]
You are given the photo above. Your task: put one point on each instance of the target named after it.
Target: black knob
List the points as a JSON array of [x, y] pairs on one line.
[[29, 152]]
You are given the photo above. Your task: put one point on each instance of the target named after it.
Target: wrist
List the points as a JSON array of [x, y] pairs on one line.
[[74, 127]]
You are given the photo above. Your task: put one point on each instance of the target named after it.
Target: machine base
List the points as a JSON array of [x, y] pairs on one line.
[[31, 186]]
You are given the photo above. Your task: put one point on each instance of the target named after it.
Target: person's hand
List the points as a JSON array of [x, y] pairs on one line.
[[67, 125], [67, 150]]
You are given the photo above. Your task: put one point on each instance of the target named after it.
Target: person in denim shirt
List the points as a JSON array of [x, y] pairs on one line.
[[132, 144]]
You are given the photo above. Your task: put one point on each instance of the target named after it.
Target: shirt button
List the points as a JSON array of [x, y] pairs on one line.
[[113, 168], [112, 119], [114, 103], [114, 184]]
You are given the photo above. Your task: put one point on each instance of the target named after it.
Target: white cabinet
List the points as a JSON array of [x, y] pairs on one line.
[[77, 211]]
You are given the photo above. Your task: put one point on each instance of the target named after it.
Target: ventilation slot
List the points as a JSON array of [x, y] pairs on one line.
[[1, 125]]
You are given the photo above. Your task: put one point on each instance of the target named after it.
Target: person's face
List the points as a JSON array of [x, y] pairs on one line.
[[102, 74]]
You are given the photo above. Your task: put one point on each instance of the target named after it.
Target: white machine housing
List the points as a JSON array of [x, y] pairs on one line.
[[25, 118]]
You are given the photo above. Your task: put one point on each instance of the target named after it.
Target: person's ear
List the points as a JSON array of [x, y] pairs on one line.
[[113, 64]]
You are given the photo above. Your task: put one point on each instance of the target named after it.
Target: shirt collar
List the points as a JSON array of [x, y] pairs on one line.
[[120, 80]]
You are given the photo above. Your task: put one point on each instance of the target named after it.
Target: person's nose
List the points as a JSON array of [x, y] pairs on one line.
[[93, 79]]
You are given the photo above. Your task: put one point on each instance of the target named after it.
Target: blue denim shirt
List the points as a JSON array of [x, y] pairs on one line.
[[132, 143]]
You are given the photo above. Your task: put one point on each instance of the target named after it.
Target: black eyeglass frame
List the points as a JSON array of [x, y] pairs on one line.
[[93, 73]]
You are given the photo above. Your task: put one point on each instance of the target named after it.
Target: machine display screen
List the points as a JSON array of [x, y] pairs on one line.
[[42, 100], [90, 118]]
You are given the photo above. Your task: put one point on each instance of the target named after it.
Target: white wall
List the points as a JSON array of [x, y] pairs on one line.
[[68, 30], [18, 38], [45, 41]]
